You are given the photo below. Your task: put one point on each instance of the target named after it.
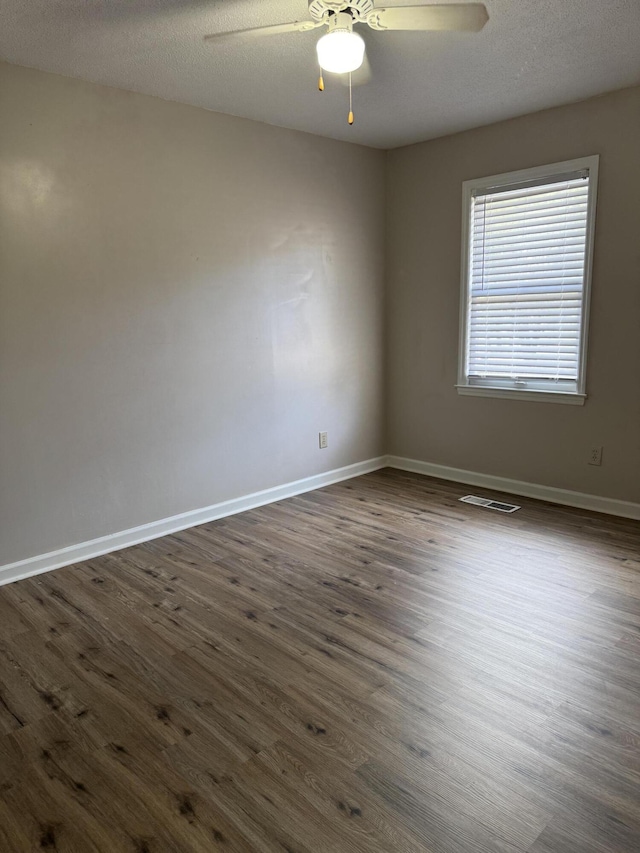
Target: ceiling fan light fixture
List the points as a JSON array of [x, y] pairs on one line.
[[340, 51]]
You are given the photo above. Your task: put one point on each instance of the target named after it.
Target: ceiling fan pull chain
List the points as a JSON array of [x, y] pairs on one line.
[[321, 81], [350, 119]]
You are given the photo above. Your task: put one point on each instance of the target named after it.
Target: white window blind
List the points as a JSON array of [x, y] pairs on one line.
[[526, 281]]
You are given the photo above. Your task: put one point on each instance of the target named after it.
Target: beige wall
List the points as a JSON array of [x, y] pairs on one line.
[[186, 299], [535, 442]]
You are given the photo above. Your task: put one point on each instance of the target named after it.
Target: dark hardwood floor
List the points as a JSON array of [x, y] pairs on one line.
[[369, 667]]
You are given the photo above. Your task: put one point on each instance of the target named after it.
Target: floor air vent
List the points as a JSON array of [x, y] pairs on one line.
[[498, 505]]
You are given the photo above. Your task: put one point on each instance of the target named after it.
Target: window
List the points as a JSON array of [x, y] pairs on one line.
[[526, 270]]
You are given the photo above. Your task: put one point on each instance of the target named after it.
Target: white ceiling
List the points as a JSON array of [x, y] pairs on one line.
[[532, 54]]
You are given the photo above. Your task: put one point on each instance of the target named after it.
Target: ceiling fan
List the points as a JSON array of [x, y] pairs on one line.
[[342, 51]]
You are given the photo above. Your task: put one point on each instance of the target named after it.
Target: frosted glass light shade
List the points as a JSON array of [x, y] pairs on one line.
[[340, 51]]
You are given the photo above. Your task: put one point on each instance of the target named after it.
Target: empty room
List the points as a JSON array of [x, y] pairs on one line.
[[319, 426]]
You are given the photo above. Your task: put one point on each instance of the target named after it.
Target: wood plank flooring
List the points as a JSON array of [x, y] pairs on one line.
[[370, 667]]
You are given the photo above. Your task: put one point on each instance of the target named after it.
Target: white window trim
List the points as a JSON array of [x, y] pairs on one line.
[[463, 385]]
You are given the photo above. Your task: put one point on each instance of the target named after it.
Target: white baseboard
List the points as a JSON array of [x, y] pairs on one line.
[[145, 532], [610, 506], [155, 529]]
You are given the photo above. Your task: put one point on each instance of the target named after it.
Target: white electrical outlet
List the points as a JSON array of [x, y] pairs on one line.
[[323, 440], [595, 456]]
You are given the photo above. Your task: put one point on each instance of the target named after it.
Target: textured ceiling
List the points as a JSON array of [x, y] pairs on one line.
[[532, 54]]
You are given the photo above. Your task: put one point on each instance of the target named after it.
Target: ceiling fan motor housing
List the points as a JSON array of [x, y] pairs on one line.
[[320, 10]]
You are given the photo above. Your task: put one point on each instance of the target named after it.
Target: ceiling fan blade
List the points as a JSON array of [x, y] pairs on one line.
[[461, 16], [276, 29]]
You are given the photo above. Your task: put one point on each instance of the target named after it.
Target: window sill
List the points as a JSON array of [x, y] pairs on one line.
[[515, 394]]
